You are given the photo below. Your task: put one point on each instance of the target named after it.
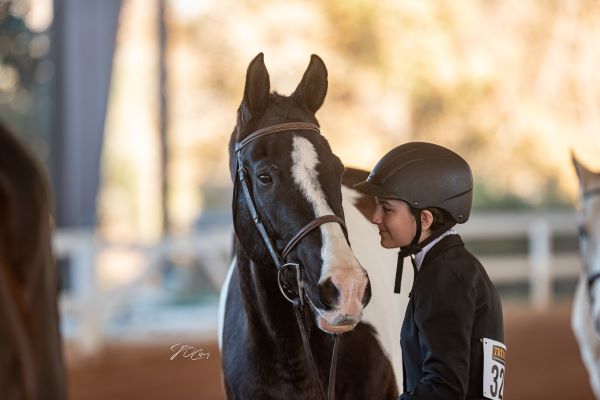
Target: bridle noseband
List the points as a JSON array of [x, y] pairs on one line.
[[293, 295], [590, 278]]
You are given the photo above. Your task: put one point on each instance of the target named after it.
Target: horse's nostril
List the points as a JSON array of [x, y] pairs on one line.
[[329, 293], [367, 295]]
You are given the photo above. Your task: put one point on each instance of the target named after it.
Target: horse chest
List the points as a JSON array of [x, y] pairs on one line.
[[254, 374], [254, 367]]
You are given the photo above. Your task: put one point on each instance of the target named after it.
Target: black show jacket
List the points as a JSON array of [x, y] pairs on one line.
[[452, 306]]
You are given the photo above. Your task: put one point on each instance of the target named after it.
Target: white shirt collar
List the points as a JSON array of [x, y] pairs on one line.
[[420, 256]]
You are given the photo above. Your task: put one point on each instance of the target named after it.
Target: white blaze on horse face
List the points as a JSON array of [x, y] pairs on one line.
[[339, 263]]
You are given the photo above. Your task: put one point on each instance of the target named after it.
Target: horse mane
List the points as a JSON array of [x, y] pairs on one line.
[[32, 365]]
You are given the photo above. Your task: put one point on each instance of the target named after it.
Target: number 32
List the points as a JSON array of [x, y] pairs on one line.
[[498, 375]]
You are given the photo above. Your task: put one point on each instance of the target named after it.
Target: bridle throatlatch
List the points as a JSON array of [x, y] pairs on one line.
[[293, 295]]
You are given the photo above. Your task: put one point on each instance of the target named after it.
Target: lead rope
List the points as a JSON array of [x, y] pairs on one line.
[[333, 369], [299, 312]]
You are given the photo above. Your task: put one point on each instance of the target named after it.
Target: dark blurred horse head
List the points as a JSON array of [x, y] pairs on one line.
[[589, 235], [31, 363]]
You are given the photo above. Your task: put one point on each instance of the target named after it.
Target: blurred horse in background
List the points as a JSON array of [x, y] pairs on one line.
[[31, 361], [586, 306]]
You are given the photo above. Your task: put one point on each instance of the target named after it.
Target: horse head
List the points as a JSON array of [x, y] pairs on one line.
[[589, 234], [32, 366], [293, 178]]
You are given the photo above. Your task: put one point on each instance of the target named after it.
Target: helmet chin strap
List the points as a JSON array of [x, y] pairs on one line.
[[415, 247], [410, 250]]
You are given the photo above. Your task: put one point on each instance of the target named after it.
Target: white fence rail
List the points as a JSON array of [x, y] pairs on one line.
[[91, 306], [542, 265]]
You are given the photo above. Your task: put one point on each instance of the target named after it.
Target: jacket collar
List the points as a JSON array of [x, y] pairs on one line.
[[440, 247], [420, 256]]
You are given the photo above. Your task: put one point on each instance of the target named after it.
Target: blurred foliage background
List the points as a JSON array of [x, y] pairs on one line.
[[26, 72], [510, 85]]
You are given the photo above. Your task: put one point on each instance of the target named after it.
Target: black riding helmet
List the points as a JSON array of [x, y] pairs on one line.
[[424, 175]]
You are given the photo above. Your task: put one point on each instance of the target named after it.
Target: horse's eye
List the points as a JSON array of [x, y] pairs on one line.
[[265, 179]]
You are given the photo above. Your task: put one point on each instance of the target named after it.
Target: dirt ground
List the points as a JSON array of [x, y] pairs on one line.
[[542, 363]]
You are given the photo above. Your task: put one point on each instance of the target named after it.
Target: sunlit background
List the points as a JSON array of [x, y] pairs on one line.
[[512, 86]]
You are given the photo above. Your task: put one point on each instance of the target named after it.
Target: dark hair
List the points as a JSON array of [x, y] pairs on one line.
[[441, 218]]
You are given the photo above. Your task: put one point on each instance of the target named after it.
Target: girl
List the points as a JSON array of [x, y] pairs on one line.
[[452, 330]]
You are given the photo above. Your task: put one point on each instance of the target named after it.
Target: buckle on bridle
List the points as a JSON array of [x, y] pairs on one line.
[[287, 292]]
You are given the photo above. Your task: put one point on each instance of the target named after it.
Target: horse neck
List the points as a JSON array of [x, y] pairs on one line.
[[270, 316]]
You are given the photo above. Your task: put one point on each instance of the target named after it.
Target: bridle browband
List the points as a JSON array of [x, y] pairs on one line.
[[293, 295], [590, 278]]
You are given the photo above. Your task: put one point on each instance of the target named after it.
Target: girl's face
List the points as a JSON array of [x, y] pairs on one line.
[[396, 224]]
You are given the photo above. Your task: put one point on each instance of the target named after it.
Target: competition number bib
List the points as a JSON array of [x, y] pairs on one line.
[[494, 358]]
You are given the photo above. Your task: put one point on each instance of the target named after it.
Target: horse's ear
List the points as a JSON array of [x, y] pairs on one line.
[[312, 88], [586, 177], [256, 91], [579, 168]]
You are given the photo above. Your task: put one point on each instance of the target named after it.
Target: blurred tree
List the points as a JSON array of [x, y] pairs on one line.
[[25, 74]]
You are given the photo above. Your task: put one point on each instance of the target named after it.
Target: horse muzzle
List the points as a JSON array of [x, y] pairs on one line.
[[340, 324]]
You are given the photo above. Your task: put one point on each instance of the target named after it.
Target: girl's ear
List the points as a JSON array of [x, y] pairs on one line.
[[426, 220]]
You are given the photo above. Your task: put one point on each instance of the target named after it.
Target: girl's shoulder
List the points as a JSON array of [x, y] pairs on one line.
[[457, 266]]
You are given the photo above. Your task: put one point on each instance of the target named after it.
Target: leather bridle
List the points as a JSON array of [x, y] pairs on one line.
[[590, 278], [296, 296]]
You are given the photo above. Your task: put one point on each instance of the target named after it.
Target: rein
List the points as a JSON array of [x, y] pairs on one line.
[[294, 296]]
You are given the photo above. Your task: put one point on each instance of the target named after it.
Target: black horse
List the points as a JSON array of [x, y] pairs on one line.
[[293, 178], [31, 361]]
